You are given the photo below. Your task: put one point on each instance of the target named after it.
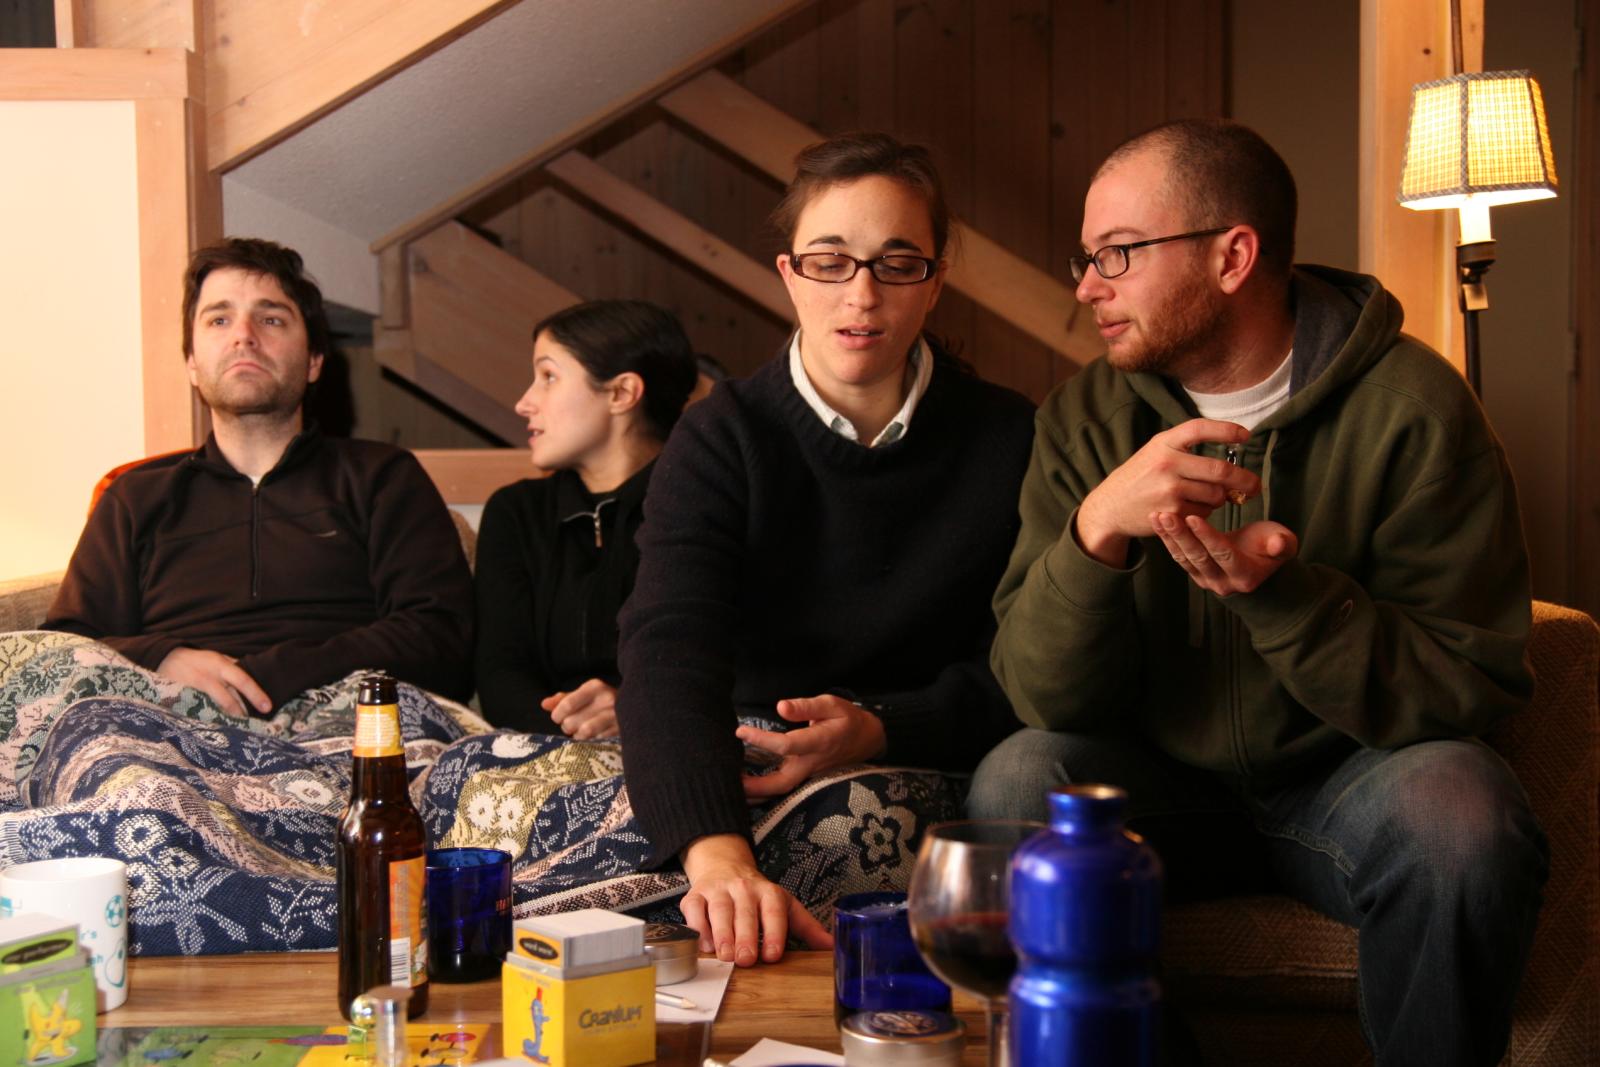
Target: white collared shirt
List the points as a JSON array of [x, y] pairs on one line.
[[921, 363]]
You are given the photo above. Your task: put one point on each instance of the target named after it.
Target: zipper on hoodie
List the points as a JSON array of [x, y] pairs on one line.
[[1233, 630], [255, 541], [595, 517]]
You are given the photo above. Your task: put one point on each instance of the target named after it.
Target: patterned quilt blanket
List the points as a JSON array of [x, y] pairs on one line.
[[228, 826]]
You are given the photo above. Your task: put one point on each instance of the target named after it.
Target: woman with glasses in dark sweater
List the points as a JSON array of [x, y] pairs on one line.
[[820, 546], [556, 555]]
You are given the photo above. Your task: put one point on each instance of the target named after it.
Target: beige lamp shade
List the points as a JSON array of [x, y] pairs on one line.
[[1477, 139]]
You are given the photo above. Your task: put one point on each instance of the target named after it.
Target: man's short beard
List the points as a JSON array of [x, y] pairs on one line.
[[281, 400], [1177, 335]]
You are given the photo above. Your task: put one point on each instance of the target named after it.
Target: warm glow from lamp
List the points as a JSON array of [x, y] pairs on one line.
[[1477, 139]]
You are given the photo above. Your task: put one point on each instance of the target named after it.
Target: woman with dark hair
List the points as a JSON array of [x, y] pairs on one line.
[[821, 544], [556, 555]]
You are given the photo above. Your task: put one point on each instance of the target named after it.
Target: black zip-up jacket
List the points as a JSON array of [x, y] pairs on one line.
[[555, 563], [343, 558]]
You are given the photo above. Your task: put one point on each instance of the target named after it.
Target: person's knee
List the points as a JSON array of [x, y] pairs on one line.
[[1015, 777], [1459, 819]]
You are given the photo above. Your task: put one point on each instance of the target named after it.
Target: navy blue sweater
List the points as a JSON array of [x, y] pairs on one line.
[[778, 560]]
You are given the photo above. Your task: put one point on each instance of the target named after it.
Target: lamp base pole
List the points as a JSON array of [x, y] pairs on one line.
[[1472, 262]]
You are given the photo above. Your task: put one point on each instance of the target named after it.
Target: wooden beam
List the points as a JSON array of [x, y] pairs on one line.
[[758, 282], [396, 352], [161, 137], [273, 68], [1025, 296], [1404, 42], [98, 74], [135, 23], [72, 24], [445, 385], [472, 307], [393, 292], [739, 120], [469, 475], [568, 138], [1008, 285]]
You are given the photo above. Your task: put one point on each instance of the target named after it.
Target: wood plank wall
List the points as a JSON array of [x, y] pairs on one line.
[[1018, 99]]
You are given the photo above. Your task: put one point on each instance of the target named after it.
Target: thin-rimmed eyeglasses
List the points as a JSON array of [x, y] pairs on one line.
[[1112, 260], [836, 267]]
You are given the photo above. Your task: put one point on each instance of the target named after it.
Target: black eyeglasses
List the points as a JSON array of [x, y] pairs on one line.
[[1112, 260], [835, 267]]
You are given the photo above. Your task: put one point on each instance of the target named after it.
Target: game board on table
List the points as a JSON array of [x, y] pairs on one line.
[[286, 1046]]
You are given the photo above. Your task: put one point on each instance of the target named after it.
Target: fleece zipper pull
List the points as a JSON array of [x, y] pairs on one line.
[[596, 518]]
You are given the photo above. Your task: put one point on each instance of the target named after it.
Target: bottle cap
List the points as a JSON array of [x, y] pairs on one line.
[[893, 1038], [674, 949]]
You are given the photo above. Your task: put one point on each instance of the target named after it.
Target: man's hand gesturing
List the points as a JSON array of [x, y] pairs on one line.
[[1163, 477], [1226, 563]]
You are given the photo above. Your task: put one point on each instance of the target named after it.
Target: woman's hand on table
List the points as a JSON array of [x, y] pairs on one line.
[[739, 914], [587, 713], [837, 732]]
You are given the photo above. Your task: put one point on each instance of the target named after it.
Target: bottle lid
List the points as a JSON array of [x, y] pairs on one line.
[[377, 687], [674, 949], [1087, 807], [892, 1038]]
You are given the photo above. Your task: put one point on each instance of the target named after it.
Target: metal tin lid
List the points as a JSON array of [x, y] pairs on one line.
[[674, 949], [892, 1038]]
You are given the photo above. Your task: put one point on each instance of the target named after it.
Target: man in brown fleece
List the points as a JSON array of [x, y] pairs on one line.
[[271, 559]]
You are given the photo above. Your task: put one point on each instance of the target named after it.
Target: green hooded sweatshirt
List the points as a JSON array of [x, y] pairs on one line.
[[1404, 616]]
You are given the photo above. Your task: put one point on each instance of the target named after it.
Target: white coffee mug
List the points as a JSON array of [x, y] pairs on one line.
[[91, 891]]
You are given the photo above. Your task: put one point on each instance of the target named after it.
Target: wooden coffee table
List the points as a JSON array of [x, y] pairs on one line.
[[790, 1001]]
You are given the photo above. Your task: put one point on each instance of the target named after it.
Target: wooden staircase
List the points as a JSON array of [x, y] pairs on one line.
[[457, 309]]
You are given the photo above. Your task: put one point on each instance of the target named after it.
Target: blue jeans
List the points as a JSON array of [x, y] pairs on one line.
[[1430, 851]]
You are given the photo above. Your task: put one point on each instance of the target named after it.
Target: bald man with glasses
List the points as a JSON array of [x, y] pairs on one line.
[[1271, 580]]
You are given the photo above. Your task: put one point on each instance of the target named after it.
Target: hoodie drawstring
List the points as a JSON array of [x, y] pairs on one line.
[[1266, 475], [1197, 598]]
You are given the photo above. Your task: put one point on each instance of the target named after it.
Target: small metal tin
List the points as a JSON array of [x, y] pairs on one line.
[[674, 949], [894, 1038]]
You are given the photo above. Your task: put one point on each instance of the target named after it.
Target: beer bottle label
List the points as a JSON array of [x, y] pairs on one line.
[[408, 923], [377, 730]]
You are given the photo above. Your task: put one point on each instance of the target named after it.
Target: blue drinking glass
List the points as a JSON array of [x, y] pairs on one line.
[[469, 913], [876, 965]]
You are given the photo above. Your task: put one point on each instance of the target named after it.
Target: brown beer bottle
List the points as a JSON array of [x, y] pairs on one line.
[[382, 847]]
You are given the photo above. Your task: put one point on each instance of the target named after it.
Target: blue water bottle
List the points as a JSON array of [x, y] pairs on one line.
[[1086, 924]]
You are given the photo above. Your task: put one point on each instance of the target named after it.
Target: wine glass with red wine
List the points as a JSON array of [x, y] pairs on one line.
[[960, 896]]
